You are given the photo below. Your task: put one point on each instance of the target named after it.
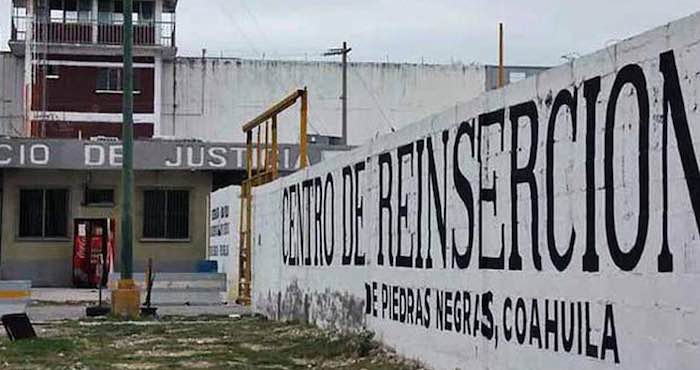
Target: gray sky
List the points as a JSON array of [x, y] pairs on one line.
[[439, 31]]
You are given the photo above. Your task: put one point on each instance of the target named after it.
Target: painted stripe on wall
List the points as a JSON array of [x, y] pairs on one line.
[[14, 294], [89, 117], [75, 63]]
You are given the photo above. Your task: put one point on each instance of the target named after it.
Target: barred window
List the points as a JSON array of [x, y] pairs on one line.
[[43, 213], [166, 214]]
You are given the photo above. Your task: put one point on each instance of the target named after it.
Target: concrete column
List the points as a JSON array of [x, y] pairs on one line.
[[95, 20], [28, 67], [157, 95], [158, 15]]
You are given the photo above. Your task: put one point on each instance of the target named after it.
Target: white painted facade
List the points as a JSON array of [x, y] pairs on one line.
[[11, 101], [600, 219], [212, 98], [224, 235]]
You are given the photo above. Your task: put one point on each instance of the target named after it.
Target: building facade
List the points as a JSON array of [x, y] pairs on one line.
[[72, 64], [61, 114]]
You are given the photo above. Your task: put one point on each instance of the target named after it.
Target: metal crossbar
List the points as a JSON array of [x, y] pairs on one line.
[[262, 164]]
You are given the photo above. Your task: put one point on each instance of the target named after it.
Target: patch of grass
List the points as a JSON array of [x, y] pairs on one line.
[[37, 353], [203, 342]]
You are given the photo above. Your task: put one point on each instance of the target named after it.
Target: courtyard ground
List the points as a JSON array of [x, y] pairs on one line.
[[203, 342]]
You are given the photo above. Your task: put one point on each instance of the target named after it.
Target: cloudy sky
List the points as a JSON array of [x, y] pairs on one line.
[[434, 31]]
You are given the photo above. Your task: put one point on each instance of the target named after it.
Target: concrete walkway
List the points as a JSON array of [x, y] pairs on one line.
[[55, 304]]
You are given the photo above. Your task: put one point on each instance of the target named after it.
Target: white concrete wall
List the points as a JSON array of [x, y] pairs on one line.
[[215, 97], [601, 222], [11, 102], [224, 211]]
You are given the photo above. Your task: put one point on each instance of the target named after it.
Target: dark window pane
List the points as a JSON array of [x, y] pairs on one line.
[[71, 5], [99, 196], [56, 220], [85, 5], [31, 213], [103, 79], [56, 4], [105, 11], [147, 10], [115, 82], [137, 80], [178, 214], [154, 214], [52, 71], [105, 6]]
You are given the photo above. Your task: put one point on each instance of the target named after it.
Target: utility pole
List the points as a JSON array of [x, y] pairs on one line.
[[126, 299], [501, 57], [344, 51]]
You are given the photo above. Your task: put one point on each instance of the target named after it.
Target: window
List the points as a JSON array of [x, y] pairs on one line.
[[145, 10], [166, 214], [99, 197], [113, 12], [43, 213], [110, 80], [69, 11], [51, 71], [104, 14], [84, 11]]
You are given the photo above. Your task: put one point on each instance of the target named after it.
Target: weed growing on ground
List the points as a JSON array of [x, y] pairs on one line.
[[203, 342]]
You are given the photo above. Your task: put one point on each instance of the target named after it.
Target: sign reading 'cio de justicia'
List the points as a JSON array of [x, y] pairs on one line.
[[148, 155]]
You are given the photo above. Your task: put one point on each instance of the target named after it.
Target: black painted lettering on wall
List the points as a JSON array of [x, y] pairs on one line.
[[488, 195], [631, 74], [402, 207], [563, 99], [329, 192], [609, 342], [591, 90], [318, 222], [673, 101], [420, 149], [348, 234], [293, 242], [385, 164], [464, 191], [360, 258], [567, 337], [433, 188], [307, 186], [524, 175], [285, 208]]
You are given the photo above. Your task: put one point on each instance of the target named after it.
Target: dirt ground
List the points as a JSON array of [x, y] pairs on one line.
[[211, 342]]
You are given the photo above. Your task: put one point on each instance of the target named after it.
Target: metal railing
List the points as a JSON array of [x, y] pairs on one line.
[[262, 164], [94, 32]]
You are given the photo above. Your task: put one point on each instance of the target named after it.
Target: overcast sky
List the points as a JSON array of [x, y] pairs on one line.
[[435, 31]]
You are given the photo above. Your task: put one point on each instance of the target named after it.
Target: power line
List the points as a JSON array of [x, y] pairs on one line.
[[387, 121]]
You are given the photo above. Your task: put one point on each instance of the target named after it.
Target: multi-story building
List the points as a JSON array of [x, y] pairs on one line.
[[72, 67]]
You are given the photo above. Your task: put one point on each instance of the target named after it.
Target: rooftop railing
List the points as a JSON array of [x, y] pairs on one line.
[[93, 32]]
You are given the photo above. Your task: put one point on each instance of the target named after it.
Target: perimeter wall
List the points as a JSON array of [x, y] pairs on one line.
[[553, 224]]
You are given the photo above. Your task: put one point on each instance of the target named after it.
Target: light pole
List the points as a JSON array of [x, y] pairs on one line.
[[344, 51], [126, 299]]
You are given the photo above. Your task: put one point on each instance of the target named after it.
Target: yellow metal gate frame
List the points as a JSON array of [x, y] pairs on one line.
[[262, 164]]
